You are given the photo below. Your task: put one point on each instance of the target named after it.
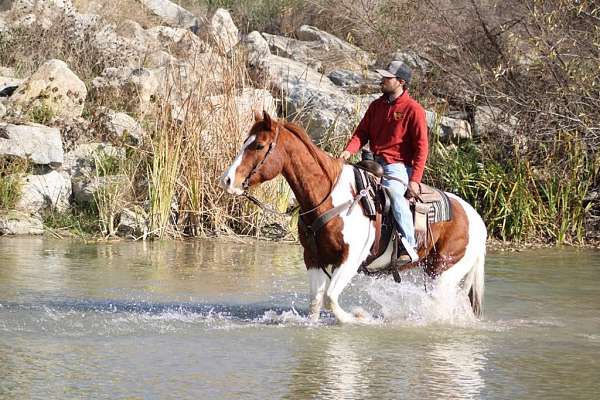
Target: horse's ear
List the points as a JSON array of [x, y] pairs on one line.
[[267, 119], [258, 116]]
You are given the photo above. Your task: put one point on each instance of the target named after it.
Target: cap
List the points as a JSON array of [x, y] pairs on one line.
[[396, 69]]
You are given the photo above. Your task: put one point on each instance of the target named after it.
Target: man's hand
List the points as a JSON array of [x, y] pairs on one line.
[[345, 155], [413, 189]]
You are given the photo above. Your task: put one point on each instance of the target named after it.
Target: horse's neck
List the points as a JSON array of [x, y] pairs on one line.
[[306, 176]]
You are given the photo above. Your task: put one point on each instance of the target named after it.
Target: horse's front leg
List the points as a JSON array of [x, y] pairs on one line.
[[339, 280], [317, 281]]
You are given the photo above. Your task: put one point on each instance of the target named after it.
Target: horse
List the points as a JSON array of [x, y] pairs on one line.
[[455, 252]]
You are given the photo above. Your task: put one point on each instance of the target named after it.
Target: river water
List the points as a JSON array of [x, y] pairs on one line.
[[227, 320]]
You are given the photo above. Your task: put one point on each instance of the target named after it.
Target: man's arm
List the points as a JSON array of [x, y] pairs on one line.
[[360, 137], [418, 130]]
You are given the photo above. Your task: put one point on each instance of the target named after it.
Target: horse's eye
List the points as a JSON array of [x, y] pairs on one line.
[[259, 146]]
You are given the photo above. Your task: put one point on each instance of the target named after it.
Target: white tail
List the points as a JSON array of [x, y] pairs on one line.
[[476, 277]]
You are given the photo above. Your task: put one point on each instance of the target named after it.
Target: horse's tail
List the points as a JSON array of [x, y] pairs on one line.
[[477, 284]]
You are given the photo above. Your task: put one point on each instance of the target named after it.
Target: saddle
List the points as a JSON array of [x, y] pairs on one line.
[[429, 206]]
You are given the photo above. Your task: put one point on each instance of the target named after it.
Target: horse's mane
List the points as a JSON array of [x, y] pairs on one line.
[[316, 152]]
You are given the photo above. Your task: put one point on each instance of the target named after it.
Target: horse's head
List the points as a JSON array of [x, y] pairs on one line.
[[260, 158]]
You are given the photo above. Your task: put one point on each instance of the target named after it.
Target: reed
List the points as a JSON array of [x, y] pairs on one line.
[[520, 201]]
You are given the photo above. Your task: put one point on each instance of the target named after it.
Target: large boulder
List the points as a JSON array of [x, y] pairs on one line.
[[172, 14], [258, 50], [313, 100], [19, 223], [53, 86], [49, 191], [448, 129], [325, 113], [38, 143], [335, 52], [220, 31]]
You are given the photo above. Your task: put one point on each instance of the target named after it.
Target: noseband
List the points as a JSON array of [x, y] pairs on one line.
[[245, 184]]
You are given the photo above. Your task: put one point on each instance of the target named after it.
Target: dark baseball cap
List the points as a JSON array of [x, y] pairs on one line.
[[396, 69]]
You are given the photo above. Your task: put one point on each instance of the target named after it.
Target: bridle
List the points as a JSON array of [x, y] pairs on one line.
[[272, 145], [266, 207]]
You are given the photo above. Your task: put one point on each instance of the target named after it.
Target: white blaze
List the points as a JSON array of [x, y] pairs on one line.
[[228, 178]]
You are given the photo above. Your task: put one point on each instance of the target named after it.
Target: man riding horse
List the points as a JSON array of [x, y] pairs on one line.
[[396, 130]]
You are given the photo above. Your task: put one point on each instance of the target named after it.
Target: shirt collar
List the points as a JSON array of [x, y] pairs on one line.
[[400, 99]]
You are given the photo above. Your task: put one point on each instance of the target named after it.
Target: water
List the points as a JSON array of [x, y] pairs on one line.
[[226, 320]]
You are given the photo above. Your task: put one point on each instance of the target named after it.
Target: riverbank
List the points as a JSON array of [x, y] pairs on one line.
[[111, 125]]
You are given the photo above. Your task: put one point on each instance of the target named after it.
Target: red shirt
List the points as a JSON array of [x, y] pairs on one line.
[[396, 132]]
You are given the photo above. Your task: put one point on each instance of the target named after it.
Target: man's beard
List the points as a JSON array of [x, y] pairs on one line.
[[385, 91]]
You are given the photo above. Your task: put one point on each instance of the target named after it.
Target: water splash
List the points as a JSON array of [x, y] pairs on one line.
[[418, 301]]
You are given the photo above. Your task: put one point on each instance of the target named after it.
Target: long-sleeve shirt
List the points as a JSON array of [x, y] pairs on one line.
[[396, 132]]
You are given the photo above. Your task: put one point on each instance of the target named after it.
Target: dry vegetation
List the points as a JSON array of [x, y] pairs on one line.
[[535, 60]]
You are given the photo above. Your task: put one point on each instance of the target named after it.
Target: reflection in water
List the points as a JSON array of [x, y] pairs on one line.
[[205, 319], [456, 368]]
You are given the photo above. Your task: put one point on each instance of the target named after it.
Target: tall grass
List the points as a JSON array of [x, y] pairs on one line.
[[520, 201], [194, 139], [11, 172]]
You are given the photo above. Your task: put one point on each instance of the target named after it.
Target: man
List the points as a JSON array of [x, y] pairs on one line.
[[396, 130]]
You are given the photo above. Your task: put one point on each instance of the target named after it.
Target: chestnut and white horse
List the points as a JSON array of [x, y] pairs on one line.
[[454, 255]]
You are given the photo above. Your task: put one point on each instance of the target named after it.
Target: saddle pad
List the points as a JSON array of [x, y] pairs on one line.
[[438, 202]]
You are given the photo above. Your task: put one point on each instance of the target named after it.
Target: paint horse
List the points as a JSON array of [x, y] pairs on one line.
[[455, 252]]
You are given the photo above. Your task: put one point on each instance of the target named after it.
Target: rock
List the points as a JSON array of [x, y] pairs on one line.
[[172, 14], [119, 125], [9, 82], [356, 82], [448, 129], [258, 50], [2, 110], [178, 42], [220, 31], [18, 223], [312, 99], [283, 73], [26, 12], [413, 60], [38, 143], [320, 51], [54, 86], [42, 192], [86, 189], [489, 120], [132, 89], [308, 53], [81, 161], [325, 112], [133, 223], [331, 43]]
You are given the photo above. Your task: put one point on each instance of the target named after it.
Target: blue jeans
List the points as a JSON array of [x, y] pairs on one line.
[[401, 208]]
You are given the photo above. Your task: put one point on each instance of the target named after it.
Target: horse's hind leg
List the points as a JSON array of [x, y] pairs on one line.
[[318, 284]]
